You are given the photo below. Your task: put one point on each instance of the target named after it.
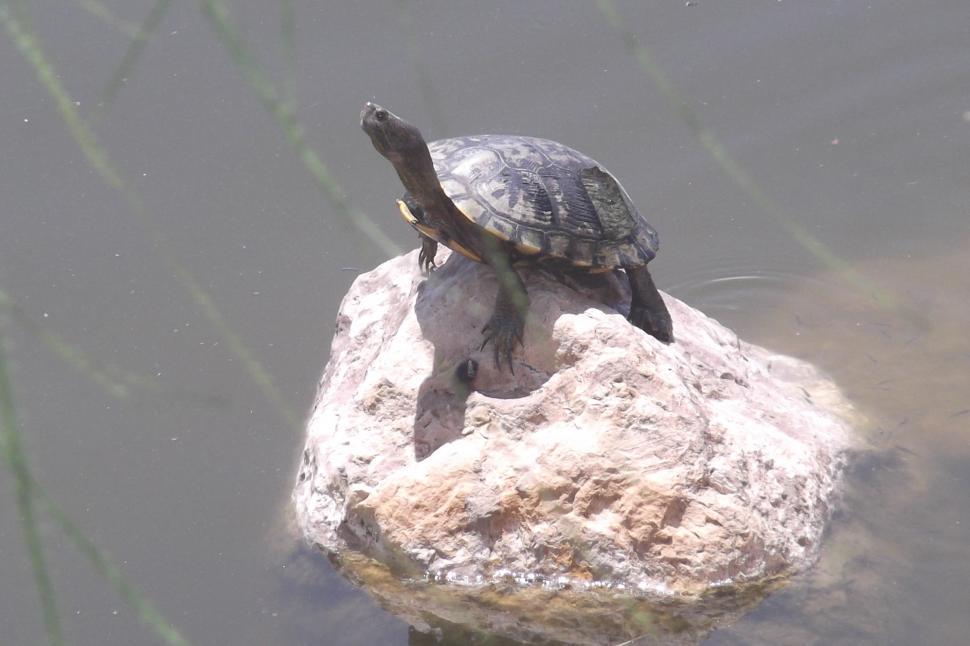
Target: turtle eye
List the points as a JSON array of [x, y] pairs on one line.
[[381, 115]]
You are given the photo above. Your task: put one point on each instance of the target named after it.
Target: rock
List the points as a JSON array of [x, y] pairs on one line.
[[607, 460]]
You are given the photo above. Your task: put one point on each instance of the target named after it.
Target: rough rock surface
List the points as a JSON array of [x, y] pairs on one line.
[[608, 458]]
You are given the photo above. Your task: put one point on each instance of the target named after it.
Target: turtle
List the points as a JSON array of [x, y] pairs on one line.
[[510, 201]]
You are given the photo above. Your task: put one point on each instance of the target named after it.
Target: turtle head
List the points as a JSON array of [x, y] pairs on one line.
[[391, 135]]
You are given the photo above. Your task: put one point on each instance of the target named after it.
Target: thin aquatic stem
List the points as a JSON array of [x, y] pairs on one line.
[[734, 170], [98, 9], [99, 158], [423, 78], [137, 45], [115, 381], [142, 605], [30, 48], [11, 446], [285, 114], [288, 40]]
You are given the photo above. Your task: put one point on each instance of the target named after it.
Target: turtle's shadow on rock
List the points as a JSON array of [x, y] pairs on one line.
[[452, 305], [449, 316]]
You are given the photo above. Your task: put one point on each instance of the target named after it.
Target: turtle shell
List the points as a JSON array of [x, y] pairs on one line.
[[548, 201]]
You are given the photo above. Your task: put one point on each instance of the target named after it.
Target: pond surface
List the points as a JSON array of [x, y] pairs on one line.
[[853, 116]]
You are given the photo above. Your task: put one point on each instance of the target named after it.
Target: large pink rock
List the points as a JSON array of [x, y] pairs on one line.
[[607, 459]]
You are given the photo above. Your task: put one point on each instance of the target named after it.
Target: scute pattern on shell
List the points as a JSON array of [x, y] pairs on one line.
[[550, 201]]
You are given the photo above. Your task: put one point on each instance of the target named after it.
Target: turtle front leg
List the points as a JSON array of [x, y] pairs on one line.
[[648, 311], [429, 248], [505, 329]]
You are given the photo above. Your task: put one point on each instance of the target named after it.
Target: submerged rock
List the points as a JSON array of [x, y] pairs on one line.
[[608, 459]]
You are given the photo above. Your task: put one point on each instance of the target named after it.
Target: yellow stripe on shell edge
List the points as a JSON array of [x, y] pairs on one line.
[[425, 230], [406, 213]]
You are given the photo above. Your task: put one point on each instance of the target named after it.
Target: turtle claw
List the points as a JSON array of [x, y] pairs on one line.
[[426, 256], [427, 267], [504, 334], [498, 354], [426, 264]]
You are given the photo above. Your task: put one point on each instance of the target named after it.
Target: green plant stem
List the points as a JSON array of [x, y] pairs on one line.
[[735, 170], [28, 489], [31, 49], [137, 45], [144, 608], [285, 115], [288, 39], [114, 381], [99, 10], [101, 161], [13, 452]]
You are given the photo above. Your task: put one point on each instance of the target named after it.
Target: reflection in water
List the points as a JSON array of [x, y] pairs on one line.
[[909, 365], [896, 559], [459, 615]]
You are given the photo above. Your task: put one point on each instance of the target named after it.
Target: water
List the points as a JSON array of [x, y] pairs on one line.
[[853, 116]]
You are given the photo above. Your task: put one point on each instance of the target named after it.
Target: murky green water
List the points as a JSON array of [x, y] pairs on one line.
[[854, 117]]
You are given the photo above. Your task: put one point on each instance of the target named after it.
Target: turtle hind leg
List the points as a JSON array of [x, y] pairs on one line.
[[648, 311], [505, 329]]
